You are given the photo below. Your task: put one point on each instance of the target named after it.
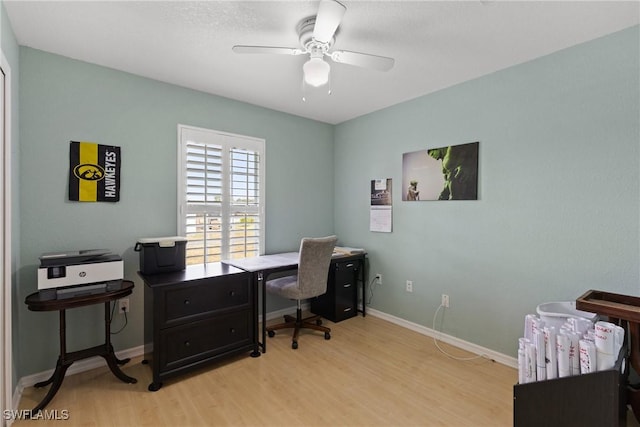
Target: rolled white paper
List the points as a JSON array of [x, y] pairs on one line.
[[521, 365], [588, 361], [551, 353], [604, 337], [574, 352], [541, 364], [608, 338], [562, 345], [522, 360], [528, 325], [530, 374], [537, 324], [589, 336], [604, 361], [579, 324]]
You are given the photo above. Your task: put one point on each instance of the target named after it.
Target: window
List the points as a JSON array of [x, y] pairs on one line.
[[220, 194]]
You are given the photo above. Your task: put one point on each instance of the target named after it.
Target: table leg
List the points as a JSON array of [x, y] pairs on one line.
[[61, 367], [112, 361], [55, 381], [51, 378], [122, 361], [110, 355]]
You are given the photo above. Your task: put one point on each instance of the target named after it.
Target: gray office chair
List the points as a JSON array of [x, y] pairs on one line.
[[310, 281]]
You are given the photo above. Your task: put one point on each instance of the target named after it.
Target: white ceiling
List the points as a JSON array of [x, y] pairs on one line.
[[435, 44]]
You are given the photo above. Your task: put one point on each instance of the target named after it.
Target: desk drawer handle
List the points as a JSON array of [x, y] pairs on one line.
[[347, 309], [187, 343], [349, 265], [232, 330], [187, 302], [232, 293], [346, 285]]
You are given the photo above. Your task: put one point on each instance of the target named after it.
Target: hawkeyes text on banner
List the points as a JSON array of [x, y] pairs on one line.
[[94, 172]]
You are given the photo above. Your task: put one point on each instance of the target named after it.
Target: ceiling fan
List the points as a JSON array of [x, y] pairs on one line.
[[316, 36]]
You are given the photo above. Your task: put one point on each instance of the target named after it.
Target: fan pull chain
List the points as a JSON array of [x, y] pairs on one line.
[[304, 90]]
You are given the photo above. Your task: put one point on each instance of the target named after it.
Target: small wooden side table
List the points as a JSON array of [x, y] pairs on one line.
[[39, 301]]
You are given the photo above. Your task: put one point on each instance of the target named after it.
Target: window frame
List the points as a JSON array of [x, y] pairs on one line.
[[227, 141]]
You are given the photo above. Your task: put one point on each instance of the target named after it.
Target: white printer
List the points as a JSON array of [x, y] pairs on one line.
[[79, 272]]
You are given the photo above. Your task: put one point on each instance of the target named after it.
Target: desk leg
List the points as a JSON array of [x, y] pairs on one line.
[[263, 287], [362, 277], [110, 355]]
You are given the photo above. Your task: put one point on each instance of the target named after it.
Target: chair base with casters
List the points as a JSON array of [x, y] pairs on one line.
[[310, 281], [297, 323]]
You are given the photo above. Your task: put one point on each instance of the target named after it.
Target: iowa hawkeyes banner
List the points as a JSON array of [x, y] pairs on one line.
[[94, 172]]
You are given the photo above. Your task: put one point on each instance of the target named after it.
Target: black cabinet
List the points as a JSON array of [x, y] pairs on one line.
[[598, 399], [197, 316], [340, 302]]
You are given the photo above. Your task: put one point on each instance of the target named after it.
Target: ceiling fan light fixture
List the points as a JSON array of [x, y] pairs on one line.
[[316, 35], [316, 72]]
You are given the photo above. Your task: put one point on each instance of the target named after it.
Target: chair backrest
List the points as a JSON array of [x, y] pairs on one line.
[[313, 265]]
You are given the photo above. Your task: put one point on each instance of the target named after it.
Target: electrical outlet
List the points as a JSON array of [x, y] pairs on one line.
[[409, 286], [379, 278], [123, 305], [445, 301]]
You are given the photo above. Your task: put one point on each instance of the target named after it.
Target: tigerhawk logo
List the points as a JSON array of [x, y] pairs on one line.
[[89, 172]]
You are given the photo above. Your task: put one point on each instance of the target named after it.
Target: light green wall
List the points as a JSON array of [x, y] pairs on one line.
[[63, 100], [10, 50], [558, 210]]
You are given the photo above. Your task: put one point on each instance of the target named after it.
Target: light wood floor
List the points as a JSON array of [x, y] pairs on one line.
[[371, 373]]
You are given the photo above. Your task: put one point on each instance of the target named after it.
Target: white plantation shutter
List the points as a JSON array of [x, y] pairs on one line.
[[220, 194], [245, 218]]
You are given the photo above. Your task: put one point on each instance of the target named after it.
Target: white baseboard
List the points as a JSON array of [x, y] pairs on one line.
[[96, 362], [465, 345], [76, 368], [79, 366]]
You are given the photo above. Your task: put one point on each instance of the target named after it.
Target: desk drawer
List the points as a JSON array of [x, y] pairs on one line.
[[345, 307], [195, 341], [205, 297], [345, 269], [345, 287], [346, 297]]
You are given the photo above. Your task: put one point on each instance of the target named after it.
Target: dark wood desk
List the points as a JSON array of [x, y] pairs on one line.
[[40, 301], [262, 266]]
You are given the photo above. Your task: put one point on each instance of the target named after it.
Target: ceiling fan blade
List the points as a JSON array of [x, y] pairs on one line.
[[330, 13], [364, 60], [268, 49]]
